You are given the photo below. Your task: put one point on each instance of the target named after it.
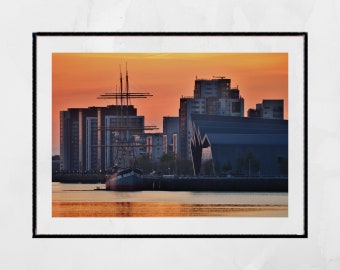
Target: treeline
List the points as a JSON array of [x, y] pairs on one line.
[[247, 165], [167, 164]]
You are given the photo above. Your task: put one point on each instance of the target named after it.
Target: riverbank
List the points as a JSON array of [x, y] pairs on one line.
[[191, 183]]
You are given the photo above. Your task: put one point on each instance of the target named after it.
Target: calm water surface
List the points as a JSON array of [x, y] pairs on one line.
[[82, 200]]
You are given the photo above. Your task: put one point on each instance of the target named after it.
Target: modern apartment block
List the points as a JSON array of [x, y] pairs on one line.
[[212, 97], [115, 134], [268, 109], [154, 146], [171, 130], [87, 136]]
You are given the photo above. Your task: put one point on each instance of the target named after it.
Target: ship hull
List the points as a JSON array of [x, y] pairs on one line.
[[128, 180]]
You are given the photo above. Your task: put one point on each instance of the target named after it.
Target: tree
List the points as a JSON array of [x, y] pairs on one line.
[[240, 164], [217, 167], [283, 165], [145, 164], [184, 167], [253, 164], [167, 163], [256, 166], [227, 167]]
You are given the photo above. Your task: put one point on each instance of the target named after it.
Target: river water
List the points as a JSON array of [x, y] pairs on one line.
[[83, 200]]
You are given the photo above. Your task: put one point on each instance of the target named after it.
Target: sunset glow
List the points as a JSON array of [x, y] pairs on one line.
[[79, 78]]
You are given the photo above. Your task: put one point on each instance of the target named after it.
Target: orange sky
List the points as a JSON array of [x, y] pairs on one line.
[[79, 78]]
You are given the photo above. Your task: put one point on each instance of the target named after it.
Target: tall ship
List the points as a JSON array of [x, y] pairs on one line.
[[129, 179], [127, 140]]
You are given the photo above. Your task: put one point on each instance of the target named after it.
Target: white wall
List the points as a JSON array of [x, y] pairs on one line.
[[321, 19]]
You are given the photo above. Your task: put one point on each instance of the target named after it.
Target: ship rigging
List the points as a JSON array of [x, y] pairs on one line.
[[125, 140]]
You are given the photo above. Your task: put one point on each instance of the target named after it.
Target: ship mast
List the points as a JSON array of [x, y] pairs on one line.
[[130, 151], [123, 144], [127, 87]]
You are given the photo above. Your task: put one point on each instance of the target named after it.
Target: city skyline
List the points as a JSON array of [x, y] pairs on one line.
[[79, 78]]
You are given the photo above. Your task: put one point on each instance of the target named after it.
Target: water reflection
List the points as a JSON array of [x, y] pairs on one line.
[[129, 209], [79, 200]]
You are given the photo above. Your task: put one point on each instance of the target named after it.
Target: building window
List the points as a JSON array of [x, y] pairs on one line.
[[236, 107]]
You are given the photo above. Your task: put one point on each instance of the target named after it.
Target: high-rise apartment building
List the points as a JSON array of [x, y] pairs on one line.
[[212, 97], [88, 136], [171, 128], [154, 146], [268, 109]]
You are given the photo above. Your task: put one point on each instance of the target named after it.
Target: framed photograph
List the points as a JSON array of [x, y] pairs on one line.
[[172, 135]]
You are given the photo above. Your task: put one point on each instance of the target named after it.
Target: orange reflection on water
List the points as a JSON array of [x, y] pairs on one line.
[[152, 209]]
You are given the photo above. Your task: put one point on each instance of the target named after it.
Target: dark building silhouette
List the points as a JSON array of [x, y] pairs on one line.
[[212, 97], [87, 134], [171, 131], [246, 146], [269, 109]]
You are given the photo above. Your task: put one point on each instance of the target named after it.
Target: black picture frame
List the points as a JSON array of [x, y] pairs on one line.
[[35, 38]]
